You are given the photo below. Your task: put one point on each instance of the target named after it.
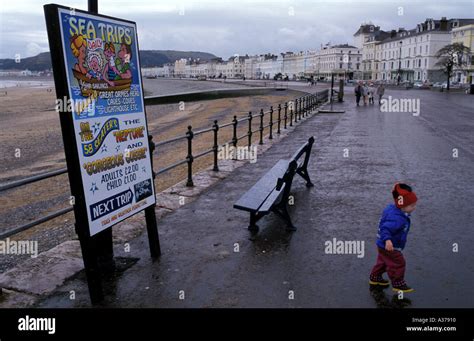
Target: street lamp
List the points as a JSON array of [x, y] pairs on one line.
[[399, 64]]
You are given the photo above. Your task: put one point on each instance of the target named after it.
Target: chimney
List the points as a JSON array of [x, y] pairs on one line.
[[393, 33], [443, 24]]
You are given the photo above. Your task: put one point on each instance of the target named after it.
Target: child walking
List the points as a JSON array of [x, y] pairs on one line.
[[391, 239]]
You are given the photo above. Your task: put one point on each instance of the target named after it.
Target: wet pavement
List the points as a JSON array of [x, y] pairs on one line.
[[356, 158]]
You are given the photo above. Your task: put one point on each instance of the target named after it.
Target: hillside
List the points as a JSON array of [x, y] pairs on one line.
[[148, 58]]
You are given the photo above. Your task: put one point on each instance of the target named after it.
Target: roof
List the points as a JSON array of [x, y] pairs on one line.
[[345, 46], [366, 29], [403, 34]]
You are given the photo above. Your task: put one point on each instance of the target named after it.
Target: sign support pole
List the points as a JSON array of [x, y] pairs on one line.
[[150, 215], [103, 240]]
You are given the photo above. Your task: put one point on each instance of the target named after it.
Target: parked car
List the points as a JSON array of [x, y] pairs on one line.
[[418, 85], [437, 85], [421, 85]]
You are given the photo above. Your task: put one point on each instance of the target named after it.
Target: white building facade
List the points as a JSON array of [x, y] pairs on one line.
[[406, 55]]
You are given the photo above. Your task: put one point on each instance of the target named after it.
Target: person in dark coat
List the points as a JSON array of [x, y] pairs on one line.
[[358, 92]]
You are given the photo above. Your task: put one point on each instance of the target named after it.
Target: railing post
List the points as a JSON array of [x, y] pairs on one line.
[[292, 108], [305, 103], [190, 158], [249, 133], [234, 134], [270, 137], [286, 113], [279, 118], [152, 149], [296, 110], [215, 148], [300, 108], [261, 126]]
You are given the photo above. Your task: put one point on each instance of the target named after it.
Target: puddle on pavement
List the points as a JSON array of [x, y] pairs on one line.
[[384, 298]]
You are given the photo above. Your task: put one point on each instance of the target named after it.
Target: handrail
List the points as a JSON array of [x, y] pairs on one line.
[[300, 107]]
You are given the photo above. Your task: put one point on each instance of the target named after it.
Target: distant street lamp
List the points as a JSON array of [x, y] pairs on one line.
[[399, 64]]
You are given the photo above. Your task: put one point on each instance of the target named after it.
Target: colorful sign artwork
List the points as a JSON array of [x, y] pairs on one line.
[[106, 102]]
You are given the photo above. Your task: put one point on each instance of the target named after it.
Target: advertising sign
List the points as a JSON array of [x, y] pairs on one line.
[[105, 99]]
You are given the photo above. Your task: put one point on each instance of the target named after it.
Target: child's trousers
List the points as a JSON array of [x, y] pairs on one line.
[[391, 262]]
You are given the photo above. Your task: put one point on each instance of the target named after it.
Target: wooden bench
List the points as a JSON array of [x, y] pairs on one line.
[[271, 192]]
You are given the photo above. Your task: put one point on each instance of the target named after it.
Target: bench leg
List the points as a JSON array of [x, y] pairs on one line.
[[282, 211], [304, 174], [253, 222]]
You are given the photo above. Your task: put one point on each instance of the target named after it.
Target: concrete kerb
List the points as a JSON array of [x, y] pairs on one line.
[[33, 279], [40, 276]]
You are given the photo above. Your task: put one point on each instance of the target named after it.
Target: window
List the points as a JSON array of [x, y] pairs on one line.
[[340, 65], [426, 62], [408, 64]]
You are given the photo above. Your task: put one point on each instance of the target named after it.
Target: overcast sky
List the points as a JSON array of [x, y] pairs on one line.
[[225, 28]]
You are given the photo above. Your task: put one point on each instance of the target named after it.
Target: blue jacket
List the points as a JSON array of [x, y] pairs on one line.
[[394, 225]]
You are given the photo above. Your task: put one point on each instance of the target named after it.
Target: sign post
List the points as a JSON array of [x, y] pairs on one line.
[[102, 112]]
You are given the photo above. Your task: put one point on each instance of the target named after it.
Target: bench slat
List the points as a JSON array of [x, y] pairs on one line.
[[256, 196], [270, 201]]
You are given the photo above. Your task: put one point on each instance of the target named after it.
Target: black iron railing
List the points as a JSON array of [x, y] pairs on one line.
[[287, 115]]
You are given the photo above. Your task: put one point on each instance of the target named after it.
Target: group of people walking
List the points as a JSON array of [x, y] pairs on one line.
[[367, 92]]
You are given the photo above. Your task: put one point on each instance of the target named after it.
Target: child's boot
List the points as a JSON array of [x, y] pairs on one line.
[[403, 287], [378, 280]]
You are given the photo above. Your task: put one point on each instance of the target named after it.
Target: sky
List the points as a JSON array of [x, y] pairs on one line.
[[227, 27]]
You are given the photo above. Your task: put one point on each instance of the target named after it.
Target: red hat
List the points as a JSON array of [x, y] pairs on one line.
[[403, 195]]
